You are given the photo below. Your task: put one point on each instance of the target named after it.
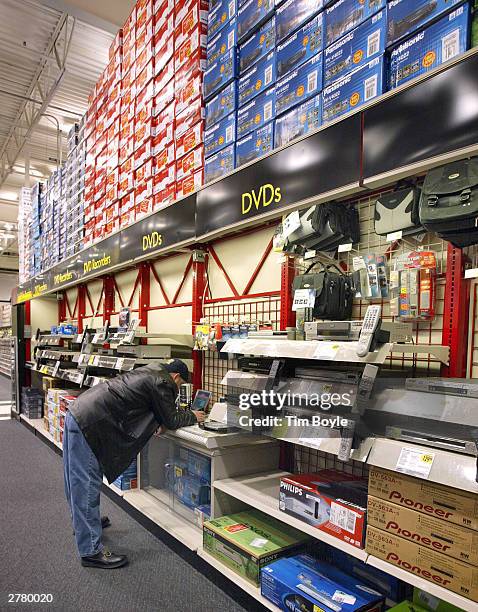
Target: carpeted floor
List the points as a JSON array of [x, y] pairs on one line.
[[38, 553], [5, 388]]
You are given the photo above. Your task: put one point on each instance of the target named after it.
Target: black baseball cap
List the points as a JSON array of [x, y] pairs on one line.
[[178, 367]]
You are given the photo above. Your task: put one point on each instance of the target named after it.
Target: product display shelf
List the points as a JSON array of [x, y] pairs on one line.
[[38, 425], [436, 591], [261, 491], [236, 579], [6, 360], [113, 488]]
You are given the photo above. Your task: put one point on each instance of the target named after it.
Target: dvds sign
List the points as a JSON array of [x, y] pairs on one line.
[[267, 195], [152, 241]]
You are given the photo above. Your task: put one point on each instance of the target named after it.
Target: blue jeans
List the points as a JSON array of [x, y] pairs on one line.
[[83, 479]]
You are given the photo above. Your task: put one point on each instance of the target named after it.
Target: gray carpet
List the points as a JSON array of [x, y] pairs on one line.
[[38, 553], [5, 388]]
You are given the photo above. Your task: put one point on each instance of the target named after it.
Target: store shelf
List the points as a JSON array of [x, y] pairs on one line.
[[457, 600], [113, 488], [261, 491], [236, 579], [161, 515], [38, 425]]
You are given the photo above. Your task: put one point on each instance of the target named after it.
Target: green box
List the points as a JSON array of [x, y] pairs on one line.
[[432, 603], [247, 541], [407, 606]]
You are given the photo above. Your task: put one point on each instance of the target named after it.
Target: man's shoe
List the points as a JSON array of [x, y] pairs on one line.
[[104, 560], [105, 522]]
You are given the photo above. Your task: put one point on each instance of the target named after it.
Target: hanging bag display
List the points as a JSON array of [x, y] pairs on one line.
[[398, 211]]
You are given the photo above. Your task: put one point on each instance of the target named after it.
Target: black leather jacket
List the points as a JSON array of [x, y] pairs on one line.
[[119, 416]]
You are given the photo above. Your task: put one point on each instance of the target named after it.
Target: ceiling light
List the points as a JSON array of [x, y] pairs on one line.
[[10, 196]]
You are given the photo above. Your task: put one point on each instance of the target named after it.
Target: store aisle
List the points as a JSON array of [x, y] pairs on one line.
[[37, 546]]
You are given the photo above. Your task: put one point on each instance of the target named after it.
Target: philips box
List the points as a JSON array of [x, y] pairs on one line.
[[299, 121], [355, 48], [407, 16], [219, 16], [223, 42], [220, 135], [300, 47], [251, 15], [220, 164], [345, 15], [427, 49], [221, 105], [257, 113], [254, 145], [354, 89], [305, 583], [259, 78], [220, 74], [258, 45], [299, 85], [293, 13]]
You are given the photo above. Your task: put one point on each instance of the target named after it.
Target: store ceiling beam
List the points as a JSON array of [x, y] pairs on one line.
[[101, 19], [39, 102], [43, 87]]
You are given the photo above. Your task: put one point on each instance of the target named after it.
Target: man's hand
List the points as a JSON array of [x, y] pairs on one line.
[[200, 415], [160, 431]]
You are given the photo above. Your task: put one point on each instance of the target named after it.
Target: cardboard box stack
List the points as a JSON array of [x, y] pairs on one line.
[[25, 236], [425, 528], [32, 403], [71, 239], [56, 405]]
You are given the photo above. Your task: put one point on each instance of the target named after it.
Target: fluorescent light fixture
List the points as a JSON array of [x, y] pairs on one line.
[[10, 196]]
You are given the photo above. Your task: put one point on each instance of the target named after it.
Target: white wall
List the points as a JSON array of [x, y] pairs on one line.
[[7, 283]]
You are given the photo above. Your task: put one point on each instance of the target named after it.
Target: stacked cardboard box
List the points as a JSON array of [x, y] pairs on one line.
[[71, 240], [32, 403], [25, 236], [425, 528], [55, 410], [129, 478]]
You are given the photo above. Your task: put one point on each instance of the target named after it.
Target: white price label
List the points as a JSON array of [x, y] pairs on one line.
[[345, 248], [120, 363], [290, 224], [56, 368], [358, 263], [473, 273], [303, 298], [345, 598], [310, 255], [415, 462], [395, 236], [326, 351]]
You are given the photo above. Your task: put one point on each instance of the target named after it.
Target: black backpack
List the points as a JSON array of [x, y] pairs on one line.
[[333, 292], [449, 202]]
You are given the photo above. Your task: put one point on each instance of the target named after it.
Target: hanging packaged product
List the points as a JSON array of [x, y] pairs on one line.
[[370, 276], [413, 286]]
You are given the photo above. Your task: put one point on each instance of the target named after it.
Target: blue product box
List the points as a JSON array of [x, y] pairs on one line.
[[221, 105], [251, 15], [259, 78], [254, 145], [223, 42], [300, 47], [293, 13], [299, 85], [220, 135], [199, 466], [407, 16], [427, 49], [354, 89], [299, 121], [345, 15], [220, 164], [355, 48], [220, 74], [304, 583], [258, 45], [219, 16], [257, 113]]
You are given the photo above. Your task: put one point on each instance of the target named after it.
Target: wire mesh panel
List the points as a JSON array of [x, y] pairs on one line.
[[309, 461]]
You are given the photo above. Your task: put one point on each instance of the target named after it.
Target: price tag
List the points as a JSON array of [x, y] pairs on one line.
[[290, 224], [358, 263], [310, 255], [303, 298], [344, 598], [91, 360], [56, 368], [395, 236], [120, 363], [415, 462], [326, 351], [345, 248], [473, 273]]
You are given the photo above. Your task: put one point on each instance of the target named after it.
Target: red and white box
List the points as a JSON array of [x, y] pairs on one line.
[[112, 178], [98, 232], [183, 7], [112, 226], [190, 183], [113, 161], [101, 146], [146, 55], [145, 207], [89, 213], [163, 42], [194, 113], [190, 139], [130, 23], [145, 86], [162, 140], [129, 57], [144, 172], [165, 119], [164, 158], [126, 178], [144, 8], [195, 42], [129, 42], [111, 195], [114, 72], [191, 162], [127, 218], [99, 208], [89, 230], [190, 15], [188, 93], [114, 92], [196, 63], [142, 191], [142, 154], [111, 212], [112, 112], [163, 97], [166, 197], [116, 44], [144, 38], [126, 151], [162, 9], [164, 179], [143, 132], [164, 78], [114, 130], [127, 203], [128, 83], [100, 176], [143, 22]]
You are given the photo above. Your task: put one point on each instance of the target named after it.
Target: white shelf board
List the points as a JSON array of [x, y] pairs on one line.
[[236, 579], [172, 523], [437, 591], [261, 491], [38, 425], [113, 488]]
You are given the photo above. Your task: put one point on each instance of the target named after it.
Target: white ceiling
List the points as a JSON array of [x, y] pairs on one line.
[[26, 30]]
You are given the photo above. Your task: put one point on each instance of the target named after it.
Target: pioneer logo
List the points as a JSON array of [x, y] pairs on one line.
[[410, 503], [151, 241], [290, 488], [416, 569], [410, 535], [267, 195]]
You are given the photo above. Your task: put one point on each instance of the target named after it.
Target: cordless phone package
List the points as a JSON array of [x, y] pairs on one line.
[[220, 135], [355, 48], [254, 145], [258, 45], [220, 164], [438, 43], [223, 42], [298, 122], [219, 16], [300, 47], [259, 78], [257, 113], [345, 15], [221, 105], [294, 13], [220, 74], [354, 89], [300, 85], [251, 15]]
